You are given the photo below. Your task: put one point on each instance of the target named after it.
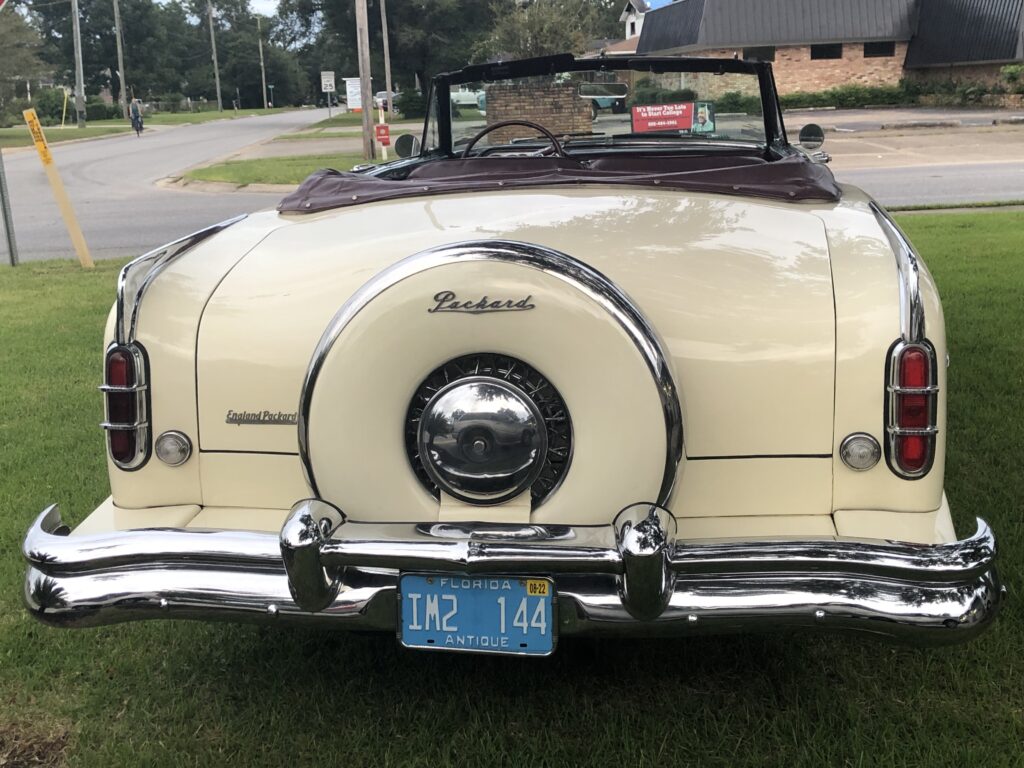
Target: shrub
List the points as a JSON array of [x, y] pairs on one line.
[[734, 101], [646, 91], [411, 105], [49, 104], [10, 114], [97, 110], [849, 97], [1013, 76]]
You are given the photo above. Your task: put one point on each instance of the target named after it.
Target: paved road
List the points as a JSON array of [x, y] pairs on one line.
[[111, 184], [952, 184]]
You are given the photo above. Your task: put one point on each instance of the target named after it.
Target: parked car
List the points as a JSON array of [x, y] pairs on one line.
[[380, 99], [514, 387], [466, 97]]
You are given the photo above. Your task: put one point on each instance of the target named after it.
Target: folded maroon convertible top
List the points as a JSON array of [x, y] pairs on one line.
[[791, 178]]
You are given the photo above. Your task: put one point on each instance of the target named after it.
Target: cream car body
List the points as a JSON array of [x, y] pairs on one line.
[[285, 350]]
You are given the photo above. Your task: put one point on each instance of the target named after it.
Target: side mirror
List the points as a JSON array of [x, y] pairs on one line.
[[811, 136], [407, 145]]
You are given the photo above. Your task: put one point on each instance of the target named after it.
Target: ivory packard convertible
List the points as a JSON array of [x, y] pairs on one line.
[[564, 372]]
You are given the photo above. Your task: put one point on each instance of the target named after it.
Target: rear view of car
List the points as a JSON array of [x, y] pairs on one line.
[[652, 372]]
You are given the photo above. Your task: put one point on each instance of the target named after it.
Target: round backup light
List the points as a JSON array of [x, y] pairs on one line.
[[482, 440], [860, 451], [173, 448]]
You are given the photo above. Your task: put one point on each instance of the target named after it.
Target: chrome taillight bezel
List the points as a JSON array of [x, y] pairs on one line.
[[140, 424], [893, 429]]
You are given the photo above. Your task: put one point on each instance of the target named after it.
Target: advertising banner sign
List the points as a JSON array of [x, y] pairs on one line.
[[662, 117]]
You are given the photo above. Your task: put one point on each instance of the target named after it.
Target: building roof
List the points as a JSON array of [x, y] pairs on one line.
[[967, 32], [642, 6], [701, 24]]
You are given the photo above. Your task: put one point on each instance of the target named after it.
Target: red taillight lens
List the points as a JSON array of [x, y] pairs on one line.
[[912, 451], [912, 409], [124, 398], [122, 445], [915, 368]]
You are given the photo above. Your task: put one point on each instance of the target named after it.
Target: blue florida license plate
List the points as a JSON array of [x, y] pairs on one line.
[[486, 614]]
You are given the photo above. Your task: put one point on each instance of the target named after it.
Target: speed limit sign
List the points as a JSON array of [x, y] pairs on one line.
[[327, 82]]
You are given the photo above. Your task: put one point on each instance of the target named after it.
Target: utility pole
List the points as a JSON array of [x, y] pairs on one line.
[[5, 214], [121, 99], [363, 44], [263, 70], [213, 53], [76, 33], [387, 57]]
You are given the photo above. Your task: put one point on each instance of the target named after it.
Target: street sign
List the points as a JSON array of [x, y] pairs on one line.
[[2, 4], [353, 94], [384, 134], [327, 82]]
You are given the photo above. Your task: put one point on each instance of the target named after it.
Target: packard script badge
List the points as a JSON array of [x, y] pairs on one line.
[[447, 301]]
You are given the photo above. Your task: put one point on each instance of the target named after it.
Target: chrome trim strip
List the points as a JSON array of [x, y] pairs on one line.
[[139, 274], [136, 425], [645, 585], [912, 430], [566, 268], [912, 321], [110, 388], [898, 390]]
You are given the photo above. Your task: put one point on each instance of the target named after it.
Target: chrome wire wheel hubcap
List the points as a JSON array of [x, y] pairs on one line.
[[486, 428]]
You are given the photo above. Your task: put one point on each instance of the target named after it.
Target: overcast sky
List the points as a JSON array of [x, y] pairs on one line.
[[265, 7]]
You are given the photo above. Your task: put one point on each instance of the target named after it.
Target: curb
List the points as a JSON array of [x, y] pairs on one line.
[[922, 124], [220, 187]]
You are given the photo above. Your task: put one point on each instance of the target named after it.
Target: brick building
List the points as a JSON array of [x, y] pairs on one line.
[[819, 44]]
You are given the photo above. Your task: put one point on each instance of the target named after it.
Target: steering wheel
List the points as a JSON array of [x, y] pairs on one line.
[[494, 126]]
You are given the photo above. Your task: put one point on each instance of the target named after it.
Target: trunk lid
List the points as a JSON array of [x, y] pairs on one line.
[[740, 291]]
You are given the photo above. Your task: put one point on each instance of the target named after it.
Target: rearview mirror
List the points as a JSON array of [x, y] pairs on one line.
[[407, 145], [812, 136], [603, 90]]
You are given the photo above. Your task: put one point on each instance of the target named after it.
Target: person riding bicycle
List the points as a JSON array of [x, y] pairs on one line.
[[135, 112]]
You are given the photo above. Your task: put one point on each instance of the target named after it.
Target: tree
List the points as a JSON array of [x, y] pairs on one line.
[[426, 37], [547, 27], [21, 46]]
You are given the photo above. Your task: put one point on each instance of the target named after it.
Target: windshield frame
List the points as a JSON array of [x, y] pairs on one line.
[[440, 88]]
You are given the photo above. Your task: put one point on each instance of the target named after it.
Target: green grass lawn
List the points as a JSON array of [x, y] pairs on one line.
[[208, 695], [319, 134], [272, 170], [18, 135]]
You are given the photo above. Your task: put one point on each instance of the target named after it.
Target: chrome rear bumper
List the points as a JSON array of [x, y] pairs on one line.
[[631, 577]]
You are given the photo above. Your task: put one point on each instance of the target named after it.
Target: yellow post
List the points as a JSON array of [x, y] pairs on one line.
[[64, 112], [59, 193]]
